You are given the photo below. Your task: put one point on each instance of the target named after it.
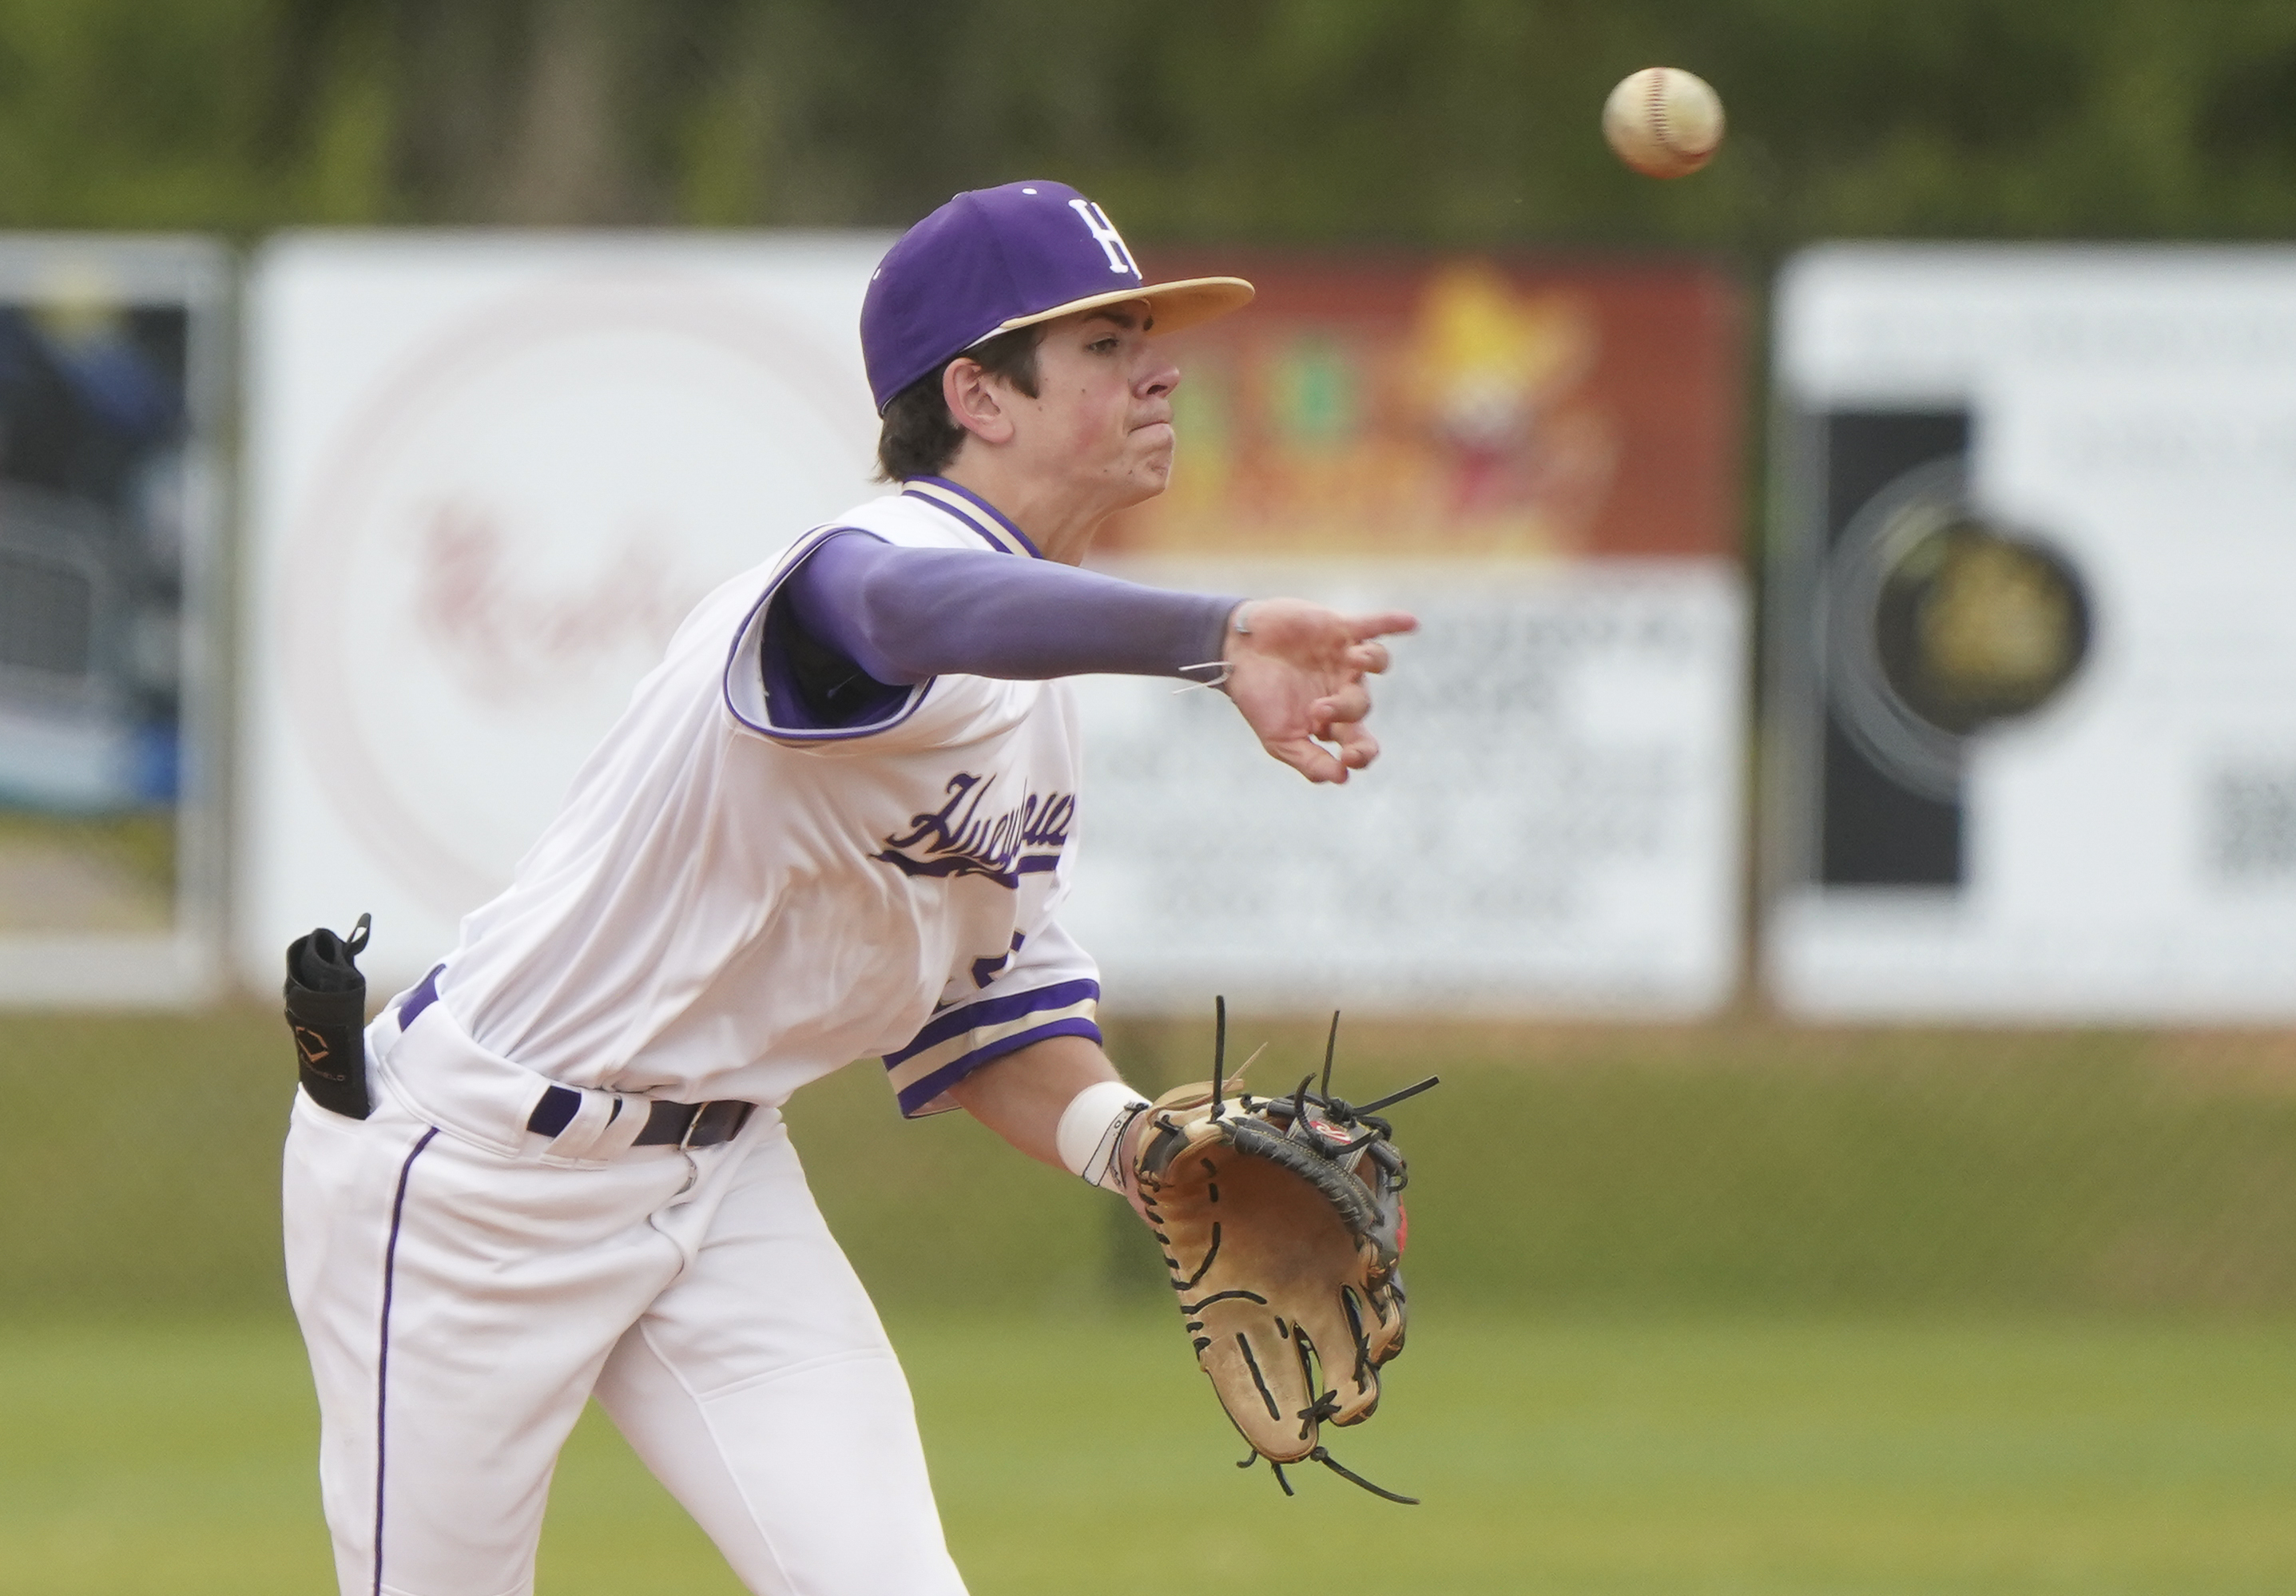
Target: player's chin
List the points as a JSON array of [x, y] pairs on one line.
[[1150, 471]]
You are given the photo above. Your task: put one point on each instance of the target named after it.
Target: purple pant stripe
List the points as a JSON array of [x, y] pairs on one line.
[[382, 1358]]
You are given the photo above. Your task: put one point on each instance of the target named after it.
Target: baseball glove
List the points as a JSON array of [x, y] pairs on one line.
[[1282, 1225]]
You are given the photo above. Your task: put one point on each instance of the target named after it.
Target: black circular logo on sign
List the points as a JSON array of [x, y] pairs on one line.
[[1937, 623]]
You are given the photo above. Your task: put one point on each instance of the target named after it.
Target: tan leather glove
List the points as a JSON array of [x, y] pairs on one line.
[[1282, 1225]]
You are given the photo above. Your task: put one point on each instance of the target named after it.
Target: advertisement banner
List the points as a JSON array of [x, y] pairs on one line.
[[1541, 461], [2035, 688], [112, 355], [489, 475]]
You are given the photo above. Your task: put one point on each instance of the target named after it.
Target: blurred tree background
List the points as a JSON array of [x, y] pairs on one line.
[[1456, 121]]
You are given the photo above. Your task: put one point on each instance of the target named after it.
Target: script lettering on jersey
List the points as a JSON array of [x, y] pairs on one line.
[[970, 837]]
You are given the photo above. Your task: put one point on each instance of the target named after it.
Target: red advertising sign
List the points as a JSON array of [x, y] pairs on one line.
[[1442, 408]]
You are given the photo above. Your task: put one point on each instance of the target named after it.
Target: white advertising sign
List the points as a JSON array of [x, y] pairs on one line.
[[2037, 682], [488, 476], [1552, 824], [1540, 458]]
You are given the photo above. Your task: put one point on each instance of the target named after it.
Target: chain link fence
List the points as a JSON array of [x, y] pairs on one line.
[[1741, 1168]]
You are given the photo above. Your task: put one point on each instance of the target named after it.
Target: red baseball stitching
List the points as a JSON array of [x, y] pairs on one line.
[[1656, 111]]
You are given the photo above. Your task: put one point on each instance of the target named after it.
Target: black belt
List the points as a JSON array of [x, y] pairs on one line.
[[668, 1124]]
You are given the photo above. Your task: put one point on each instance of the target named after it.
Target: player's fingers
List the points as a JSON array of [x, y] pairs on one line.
[[1370, 658], [1387, 623], [1312, 762], [1351, 702], [1357, 747]]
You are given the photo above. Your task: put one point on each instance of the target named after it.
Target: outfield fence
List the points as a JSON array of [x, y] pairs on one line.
[[1742, 1166]]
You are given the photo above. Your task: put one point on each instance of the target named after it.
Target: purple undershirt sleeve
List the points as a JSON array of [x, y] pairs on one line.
[[905, 614]]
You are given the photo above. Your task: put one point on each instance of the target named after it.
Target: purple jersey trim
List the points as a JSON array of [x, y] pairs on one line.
[[791, 623], [382, 1349], [795, 557], [993, 1011], [920, 1093], [425, 994], [987, 509]]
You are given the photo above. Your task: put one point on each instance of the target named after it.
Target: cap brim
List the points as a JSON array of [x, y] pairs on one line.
[[1173, 305]]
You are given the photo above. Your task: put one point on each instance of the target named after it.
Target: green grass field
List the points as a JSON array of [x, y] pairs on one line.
[[1736, 1310], [1610, 1459]]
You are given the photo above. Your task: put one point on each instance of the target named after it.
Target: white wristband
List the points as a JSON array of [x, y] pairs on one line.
[[1090, 1127]]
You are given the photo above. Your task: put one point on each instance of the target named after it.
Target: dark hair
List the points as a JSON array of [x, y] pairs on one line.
[[920, 437]]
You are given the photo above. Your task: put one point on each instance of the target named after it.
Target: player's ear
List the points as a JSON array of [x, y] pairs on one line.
[[976, 402]]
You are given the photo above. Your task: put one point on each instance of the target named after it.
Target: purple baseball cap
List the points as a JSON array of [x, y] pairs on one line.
[[995, 258]]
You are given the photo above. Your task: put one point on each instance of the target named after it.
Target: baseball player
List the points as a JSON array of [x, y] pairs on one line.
[[838, 820]]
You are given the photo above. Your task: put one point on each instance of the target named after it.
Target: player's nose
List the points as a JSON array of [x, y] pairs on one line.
[[1159, 380]]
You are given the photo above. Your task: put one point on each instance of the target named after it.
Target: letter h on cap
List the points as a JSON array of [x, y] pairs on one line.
[[1096, 223]]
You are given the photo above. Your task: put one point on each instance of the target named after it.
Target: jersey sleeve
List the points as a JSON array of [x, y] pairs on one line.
[[890, 617], [853, 631], [761, 685], [1048, 986]]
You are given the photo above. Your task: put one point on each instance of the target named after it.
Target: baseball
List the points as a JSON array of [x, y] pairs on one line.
[[1664, 122]]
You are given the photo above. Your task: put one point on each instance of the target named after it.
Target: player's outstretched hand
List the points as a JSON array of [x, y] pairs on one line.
[[1296, 671]]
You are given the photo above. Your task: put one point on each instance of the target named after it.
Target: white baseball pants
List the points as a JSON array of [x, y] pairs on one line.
[[464, 1285]]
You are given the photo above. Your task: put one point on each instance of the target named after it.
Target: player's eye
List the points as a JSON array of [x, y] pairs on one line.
[[1103, 346]]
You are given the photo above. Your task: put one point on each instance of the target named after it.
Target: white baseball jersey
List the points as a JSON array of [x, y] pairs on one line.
[[734, 901]]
